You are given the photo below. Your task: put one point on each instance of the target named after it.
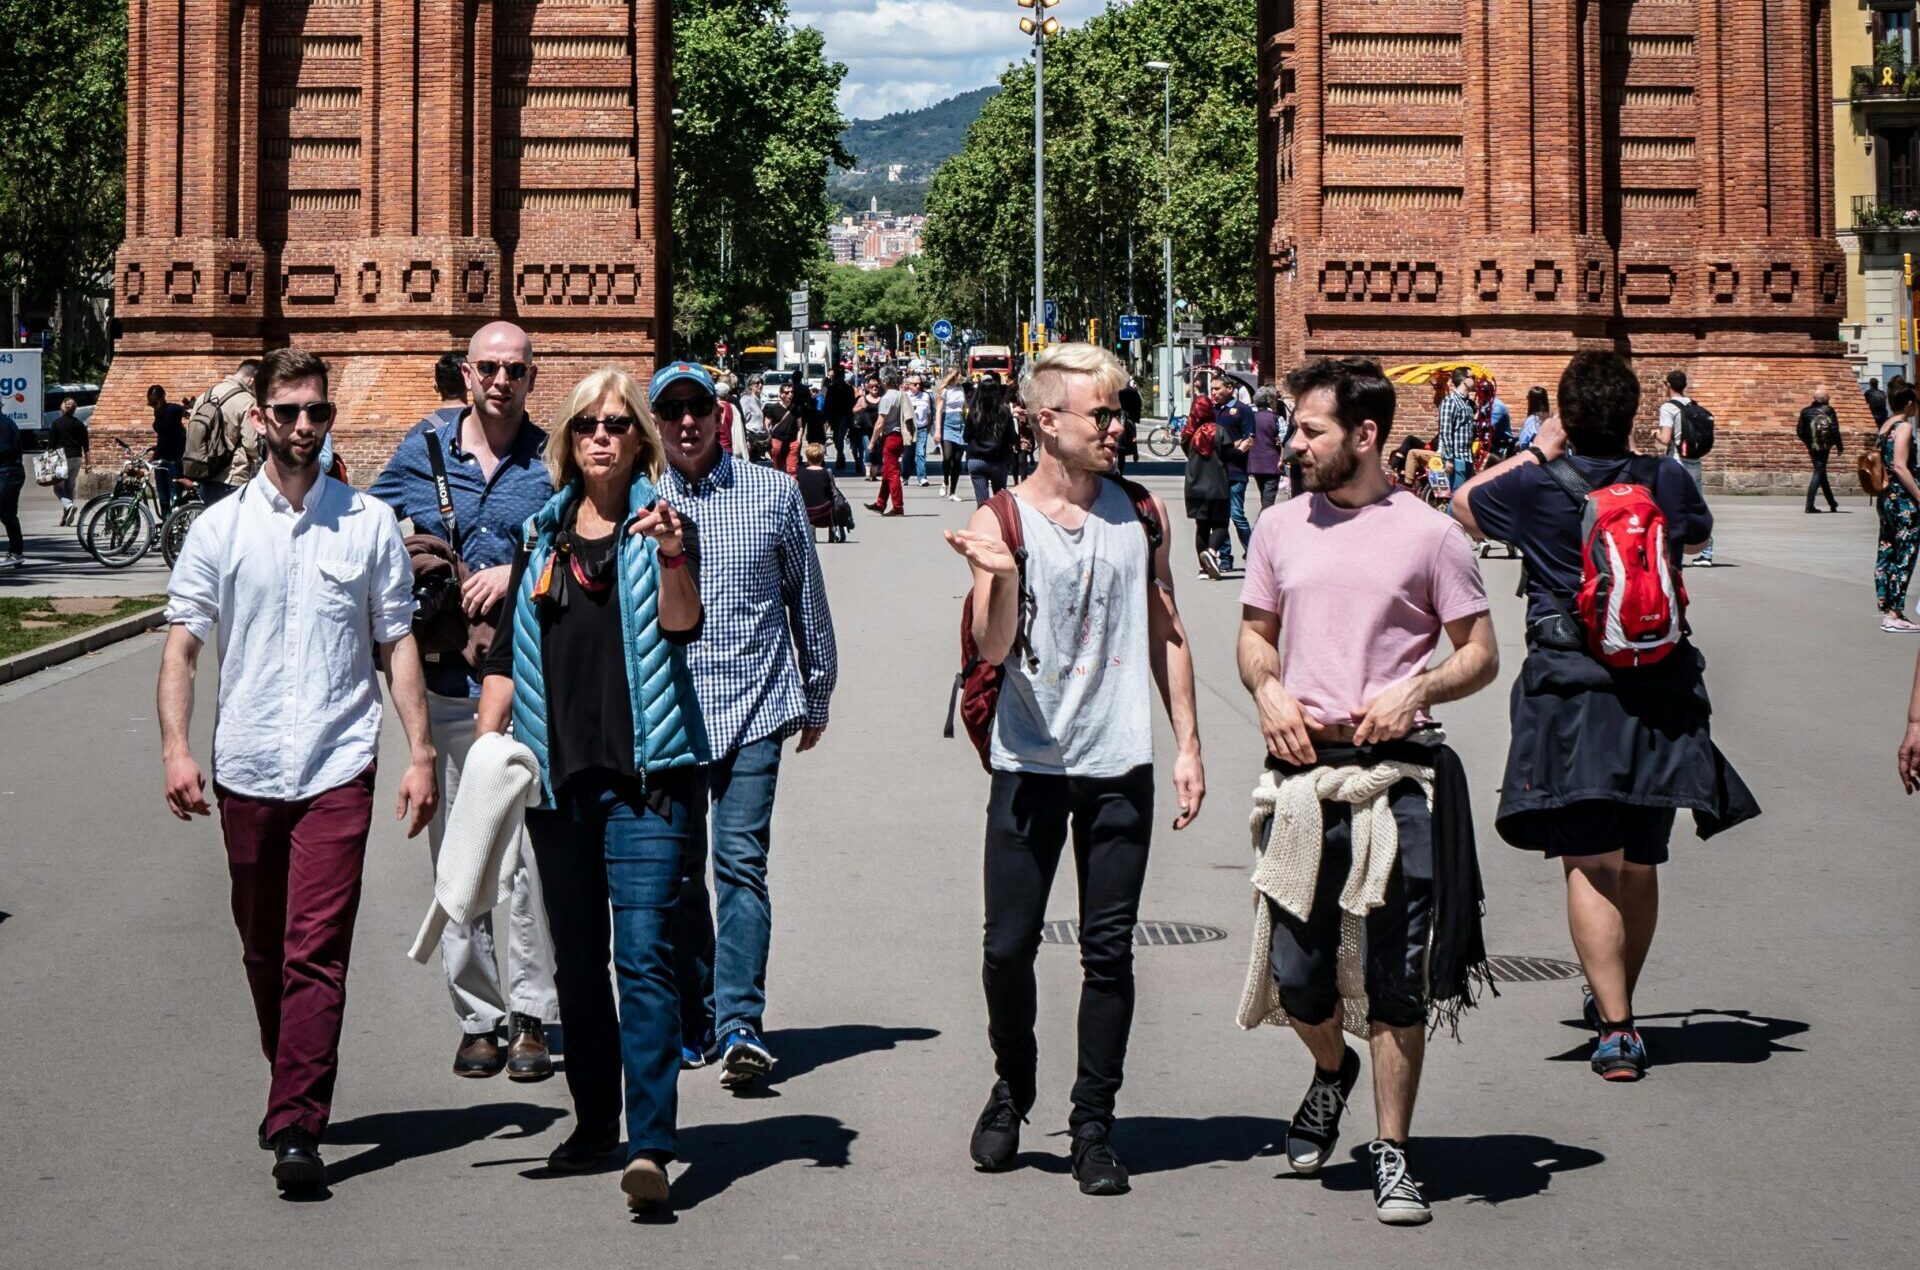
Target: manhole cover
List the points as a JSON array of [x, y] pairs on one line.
[[1145, 934], [1507, 968]]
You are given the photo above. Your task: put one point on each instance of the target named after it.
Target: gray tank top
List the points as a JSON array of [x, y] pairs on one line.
[[1083, 706]]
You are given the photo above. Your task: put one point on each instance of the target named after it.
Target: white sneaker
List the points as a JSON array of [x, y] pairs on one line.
[[1210, 564], [13, 562], [1892, 625], [1397, 1200]]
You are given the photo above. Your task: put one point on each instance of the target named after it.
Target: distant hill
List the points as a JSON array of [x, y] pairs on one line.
[[913, 141]]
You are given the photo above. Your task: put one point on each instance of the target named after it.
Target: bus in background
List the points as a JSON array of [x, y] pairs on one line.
[[997, 358], [754, 360]]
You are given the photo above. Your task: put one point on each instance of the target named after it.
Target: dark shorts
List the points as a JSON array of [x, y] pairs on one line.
[[1595, 828], [1306, 954]]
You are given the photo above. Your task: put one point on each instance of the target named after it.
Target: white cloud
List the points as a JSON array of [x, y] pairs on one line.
[[904, 54]]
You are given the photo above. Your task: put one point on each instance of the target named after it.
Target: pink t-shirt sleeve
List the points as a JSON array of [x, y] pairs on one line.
[[1261, 589], [1458, 589]]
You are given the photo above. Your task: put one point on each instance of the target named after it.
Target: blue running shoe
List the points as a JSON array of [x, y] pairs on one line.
[[1620, 1056], [744, 1058], [692, 1058]]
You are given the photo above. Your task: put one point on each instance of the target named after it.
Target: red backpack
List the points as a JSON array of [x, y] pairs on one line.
[[976, 689], [1631, 603]]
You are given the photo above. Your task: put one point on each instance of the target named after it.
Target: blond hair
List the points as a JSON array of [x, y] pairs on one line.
[[1044, 385], [585, 396]]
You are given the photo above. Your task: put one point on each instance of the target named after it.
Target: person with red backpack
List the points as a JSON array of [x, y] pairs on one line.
[[1069, 629], [1610, 715]]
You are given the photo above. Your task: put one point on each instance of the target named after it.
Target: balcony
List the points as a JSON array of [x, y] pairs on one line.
[[1888, 86], [1893, 225]]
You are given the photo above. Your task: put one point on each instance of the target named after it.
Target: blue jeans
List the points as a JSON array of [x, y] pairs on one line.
[[1459, 471], [919, 457], [1237, 508], [610, 871], [1693, 470], [725, 962]]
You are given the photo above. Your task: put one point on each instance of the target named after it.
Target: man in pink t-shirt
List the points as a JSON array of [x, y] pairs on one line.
[[1358, 579]]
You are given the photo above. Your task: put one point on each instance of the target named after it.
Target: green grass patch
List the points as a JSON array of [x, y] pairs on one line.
[[28, 622]]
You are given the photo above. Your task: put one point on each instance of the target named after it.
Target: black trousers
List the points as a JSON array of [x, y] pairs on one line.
[[1029, 819], [1269, 489], [1208, 535], [1819, 482], [12, 480]]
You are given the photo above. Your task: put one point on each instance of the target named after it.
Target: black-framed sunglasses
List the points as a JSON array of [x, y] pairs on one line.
[[516, 371], [674, 409], [287, 413], [587, 425], [1104, 417]]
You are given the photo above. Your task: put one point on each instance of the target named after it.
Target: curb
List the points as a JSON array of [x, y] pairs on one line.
[[38, 659]]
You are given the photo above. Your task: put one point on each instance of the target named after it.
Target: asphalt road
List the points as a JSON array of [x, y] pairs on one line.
[[1780, 1005]]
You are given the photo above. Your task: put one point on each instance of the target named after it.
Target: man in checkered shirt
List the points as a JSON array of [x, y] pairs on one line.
[[1456, 428], [764, 668]]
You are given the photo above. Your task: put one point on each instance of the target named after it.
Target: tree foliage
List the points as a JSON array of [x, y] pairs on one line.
[[750, 156], [62, 157], [849, 297], [1106, 174]]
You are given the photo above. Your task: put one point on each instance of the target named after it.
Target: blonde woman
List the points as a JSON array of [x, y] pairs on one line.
[[950, 421], [590, 668]]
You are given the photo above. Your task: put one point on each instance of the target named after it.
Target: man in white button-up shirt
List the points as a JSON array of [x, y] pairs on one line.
[[304, 579]]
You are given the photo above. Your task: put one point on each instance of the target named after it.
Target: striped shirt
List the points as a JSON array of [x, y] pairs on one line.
[[765, 662]]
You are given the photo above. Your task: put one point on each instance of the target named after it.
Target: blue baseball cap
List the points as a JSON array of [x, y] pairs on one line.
[[673, 372]]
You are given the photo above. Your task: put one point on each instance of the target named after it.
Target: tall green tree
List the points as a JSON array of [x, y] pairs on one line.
[[62, 164], [1106, 176], [750, 155]]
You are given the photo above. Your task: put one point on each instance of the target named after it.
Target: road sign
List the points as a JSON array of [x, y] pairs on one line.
[[1053, 315], [1192, 330], [906, 337], [801, 316], [1132, 326], [943, 330]]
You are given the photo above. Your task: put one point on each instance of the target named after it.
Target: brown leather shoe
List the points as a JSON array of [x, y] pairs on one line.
[[479, 1056], [527, 1057]]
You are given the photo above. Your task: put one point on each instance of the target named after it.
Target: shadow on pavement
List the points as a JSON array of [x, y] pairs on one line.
[[1491, 1169], [718, 1155], [399, 1136], [805, 1049], [1163, 1144], [1703, 1036]]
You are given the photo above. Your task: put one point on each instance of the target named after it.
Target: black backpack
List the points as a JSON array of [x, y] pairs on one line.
[[1696, 430]]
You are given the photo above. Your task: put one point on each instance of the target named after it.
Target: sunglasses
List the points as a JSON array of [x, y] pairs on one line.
[[587, 425], [1104, 417], [287, 413], [516, 371], [674, 409]]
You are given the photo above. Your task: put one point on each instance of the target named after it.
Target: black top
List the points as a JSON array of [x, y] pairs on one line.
[[1877, 405], [816, 486], [589, 705], [1130, 403], [1804, 430], [1527, 510], [839, 400], [69, 433], [9, 444], [170, 433], [1233, 423], [989, 438]]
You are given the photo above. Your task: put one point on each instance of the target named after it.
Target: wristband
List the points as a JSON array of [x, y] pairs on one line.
[[1538, 457], [678, 560]]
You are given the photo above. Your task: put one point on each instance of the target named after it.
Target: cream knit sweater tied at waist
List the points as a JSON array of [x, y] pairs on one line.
[[1288, 834]]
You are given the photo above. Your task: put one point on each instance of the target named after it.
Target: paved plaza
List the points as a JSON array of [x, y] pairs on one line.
[[1780, 1005]]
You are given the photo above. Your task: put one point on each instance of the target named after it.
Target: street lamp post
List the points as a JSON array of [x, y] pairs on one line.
[[1166, 246], [1039, 30]]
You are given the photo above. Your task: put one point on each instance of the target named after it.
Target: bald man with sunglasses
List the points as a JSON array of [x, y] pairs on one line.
[[493, 455]]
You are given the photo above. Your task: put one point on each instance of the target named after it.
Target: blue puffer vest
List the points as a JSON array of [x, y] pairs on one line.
[[669, 731]]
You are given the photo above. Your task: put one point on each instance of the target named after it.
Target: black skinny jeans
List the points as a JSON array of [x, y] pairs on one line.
[[1819, 482], [1029, 817], [13, 479], [1208, 535], [953, 461]]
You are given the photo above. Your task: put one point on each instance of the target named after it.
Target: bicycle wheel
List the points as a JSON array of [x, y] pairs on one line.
[[121, 533], [1161, 441], [88, 511], [173, 530]]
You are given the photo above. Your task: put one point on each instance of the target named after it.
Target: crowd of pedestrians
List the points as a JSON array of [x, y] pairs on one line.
[[630, 609]]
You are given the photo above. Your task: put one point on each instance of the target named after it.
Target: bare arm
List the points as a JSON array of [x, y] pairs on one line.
[[1471, 666], [407, 685], [996, 585], [496, 704], [1550, 440], [1172, 660], [186, 784], [1287, 729]]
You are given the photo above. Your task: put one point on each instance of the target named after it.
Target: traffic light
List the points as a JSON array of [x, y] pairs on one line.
[[1093, 330], [1906, 269]]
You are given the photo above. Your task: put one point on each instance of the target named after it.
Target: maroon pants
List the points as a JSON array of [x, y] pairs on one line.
[[296, 887], [890, 473]]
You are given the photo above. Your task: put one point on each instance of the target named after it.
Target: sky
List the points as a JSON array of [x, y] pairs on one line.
[[904, 54]]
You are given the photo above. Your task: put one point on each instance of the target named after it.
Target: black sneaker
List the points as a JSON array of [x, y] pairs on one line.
[[996, 1134], [1397, 1200], [296, 1160], [1095, 1166], [584, 1148], [1315, 1127]]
